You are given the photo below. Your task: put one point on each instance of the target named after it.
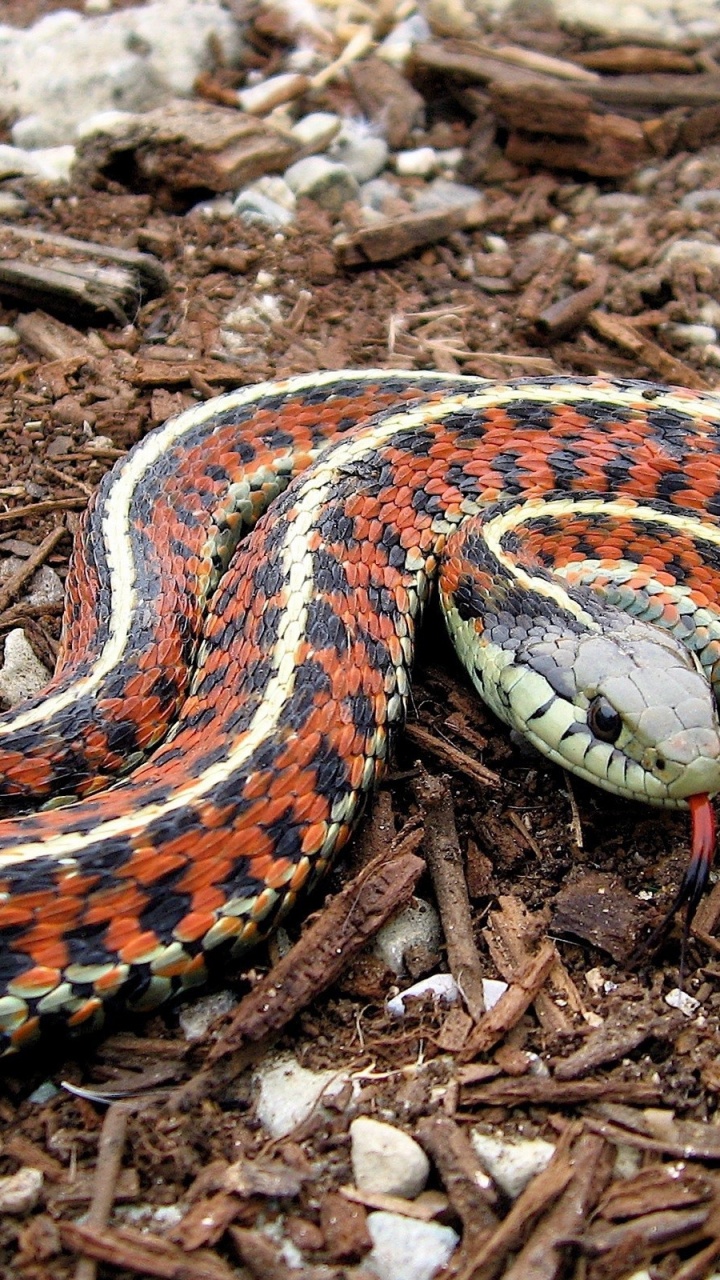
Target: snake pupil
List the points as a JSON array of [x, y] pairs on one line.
[[604, 721]]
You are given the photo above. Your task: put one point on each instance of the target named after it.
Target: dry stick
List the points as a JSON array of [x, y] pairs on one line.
[[617, 329], [42, 508], [33, 562], [445, 864], [107, 1171], [563, 317], [467, 1186], [452, 756]]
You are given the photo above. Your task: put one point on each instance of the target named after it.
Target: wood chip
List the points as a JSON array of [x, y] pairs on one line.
[[146, 1255], [191, 146], [469, 1189], [533, 1090], [384, 241], [617, 329], [616, 1038], [512, 1004], [599, 909], [385, 95]]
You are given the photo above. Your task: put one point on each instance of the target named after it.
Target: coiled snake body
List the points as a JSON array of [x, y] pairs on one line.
[[579, 525]]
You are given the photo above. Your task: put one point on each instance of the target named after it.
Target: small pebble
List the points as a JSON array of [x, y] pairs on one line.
[[43, 1093], [419, 163], [444, 194], [678, 999], [20, 1192], [705, 200], [196, 1018], [12, 205], [289, 1093], [689, 335], [330, 185], [317, 129], [699, 251], [442, 987], [406, 1249], [22, 673], [8, 336], [261, 98], [385, 1160], [417, 925], [362, 152], [512, 1162]]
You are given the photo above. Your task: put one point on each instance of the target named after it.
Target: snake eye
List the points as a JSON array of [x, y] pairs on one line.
[[603, 720]]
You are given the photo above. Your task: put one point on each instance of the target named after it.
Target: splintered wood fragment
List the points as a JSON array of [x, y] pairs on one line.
[[541, 1092], [451, 755], [540, 108], [191, 146], [699, 1266], [617, 1038], [655, 1188], [340, 930], [543, 1256], [162, 373], [461, 61], [469, 1189], [445, 864], [263, 1258], [42, 508], [76, 276], [148, 269], [652, 1233], [488, 1260], [511, 1006], [394, 237], [617, 329], [143, 1254], [424, 1210], [511, 939]]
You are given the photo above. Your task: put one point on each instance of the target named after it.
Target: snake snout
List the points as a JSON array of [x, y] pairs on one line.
[[697, 752]]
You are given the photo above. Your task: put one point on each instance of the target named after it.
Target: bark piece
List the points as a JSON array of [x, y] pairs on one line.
[[617, 329], [616, 1038], [140, 1253], [384, 241], [344, 1226], [531, 1091], [385, 96], [511, 1006], [191, 146], [512, 939], [600, 910], [468, 1187]]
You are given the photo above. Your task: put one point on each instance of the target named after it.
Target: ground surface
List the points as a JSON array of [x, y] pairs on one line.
[[532, 837]]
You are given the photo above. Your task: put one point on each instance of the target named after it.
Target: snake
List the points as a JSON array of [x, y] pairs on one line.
[[242, 604]]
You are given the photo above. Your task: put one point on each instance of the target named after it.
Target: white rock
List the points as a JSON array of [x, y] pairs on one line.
[[398, 45], [258, 99], [417, 925], [196, 1018], [386, 1160], [361, 150], [707, 199], [257, 208], [698, 251], [442, 987], [406, 1249], [22, 674], [317, 129], [65, 67], [108, 123], [678, 999], [418, 163], [51, 164], [445, 194], [329, 185], [288, 1093], [8, 336], [512, 1162], [689, 335], [375, 192], [12, 205], [20, 1192]]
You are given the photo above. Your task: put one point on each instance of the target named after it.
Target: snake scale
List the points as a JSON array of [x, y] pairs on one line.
[[241, 611]]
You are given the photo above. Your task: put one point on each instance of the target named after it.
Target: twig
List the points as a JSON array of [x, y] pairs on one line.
[[107, 1170], [42, 508], [445, 864], [462, 1176], [451, 756], [616, 329], [15, 584]]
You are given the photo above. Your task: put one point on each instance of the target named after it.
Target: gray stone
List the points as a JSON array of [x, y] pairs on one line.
[[317, 129], [363, 152], [20, 1192], [22, 674], [445, 194], [417, 925], [374, 193], [512, 1162], [288, 1093]]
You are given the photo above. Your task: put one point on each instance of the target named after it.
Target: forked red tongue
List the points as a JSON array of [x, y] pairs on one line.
[[693, 884], [701, 855]]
